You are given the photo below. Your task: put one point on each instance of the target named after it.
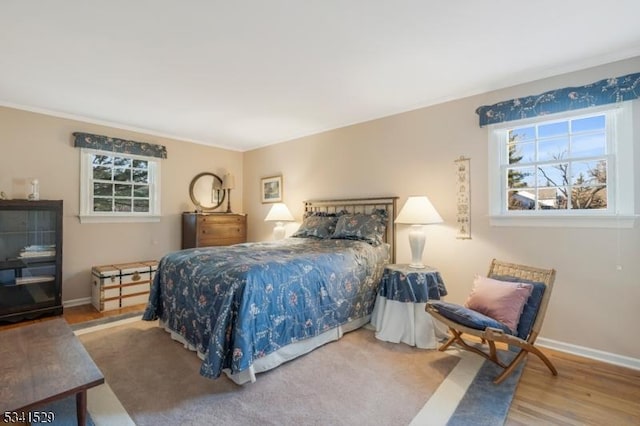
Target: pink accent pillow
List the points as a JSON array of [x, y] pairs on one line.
[[501, 300]]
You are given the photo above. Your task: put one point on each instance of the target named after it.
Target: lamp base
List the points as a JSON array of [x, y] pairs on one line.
[[416, 241], [228, 201], [279, 231]]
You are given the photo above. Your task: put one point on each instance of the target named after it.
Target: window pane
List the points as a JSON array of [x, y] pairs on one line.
[[141, 205], [101, 173], [141, 176], [122, 175], [589, 172], [589, 145], [552, 175], [521, 200], [122, 204], [588, 124], [141, 191], [551, 199], [103, 189], [553, 129], [520, 177], [102, 160], [522, 134], [122, 161], [102, 205], [589, 197], [123, 190], [141, 164], [521, 153], [553, 149]]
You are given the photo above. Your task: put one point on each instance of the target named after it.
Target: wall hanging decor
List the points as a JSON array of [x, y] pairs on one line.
[[271, 189], [463, 198]]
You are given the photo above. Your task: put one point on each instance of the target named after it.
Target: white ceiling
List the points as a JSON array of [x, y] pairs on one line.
[[241, 74]]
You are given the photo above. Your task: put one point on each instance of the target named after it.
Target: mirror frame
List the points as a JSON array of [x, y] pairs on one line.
[[194, 200]]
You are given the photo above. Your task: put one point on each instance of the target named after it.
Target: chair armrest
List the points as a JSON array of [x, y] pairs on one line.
[[494, 333]]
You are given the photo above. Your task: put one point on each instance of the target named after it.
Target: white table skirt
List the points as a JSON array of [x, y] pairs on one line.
[[405, 322]]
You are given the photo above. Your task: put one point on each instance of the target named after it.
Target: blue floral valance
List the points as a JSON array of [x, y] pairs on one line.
[[602, 92], [105, 143]]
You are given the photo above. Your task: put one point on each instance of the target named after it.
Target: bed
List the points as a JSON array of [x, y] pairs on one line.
[[250, 307]]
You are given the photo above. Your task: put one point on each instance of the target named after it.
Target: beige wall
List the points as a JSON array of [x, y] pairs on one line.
[[36, 145], [594, 306]]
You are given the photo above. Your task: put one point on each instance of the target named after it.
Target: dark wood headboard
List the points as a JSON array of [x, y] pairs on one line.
[[361, 205]]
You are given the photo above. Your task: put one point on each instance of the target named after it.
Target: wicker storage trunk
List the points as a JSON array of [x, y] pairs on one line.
[[120, 285]]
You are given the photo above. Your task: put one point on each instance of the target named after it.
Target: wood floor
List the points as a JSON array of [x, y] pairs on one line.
[[585, 392]]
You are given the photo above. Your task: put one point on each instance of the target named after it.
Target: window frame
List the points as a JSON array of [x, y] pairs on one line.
[[87, 215], [620, 178]]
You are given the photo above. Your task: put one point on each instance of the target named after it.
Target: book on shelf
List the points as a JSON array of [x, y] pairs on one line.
[[40, 247], [38, 250], [30, 254], [34, 279]]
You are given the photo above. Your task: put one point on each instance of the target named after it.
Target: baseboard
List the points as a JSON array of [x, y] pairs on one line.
[[609, 358], [76, 302]]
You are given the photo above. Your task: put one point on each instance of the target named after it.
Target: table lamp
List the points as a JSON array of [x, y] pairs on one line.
[[417, 211], [279, 213], [228, 183]]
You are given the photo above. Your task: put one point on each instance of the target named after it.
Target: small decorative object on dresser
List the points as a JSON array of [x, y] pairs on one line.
[[35, 190], [119, 285], [214, 229]]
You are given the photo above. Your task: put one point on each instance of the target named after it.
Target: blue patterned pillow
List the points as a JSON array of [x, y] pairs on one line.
[[324, 214], [360, 226], [530, 310], [317, 226]]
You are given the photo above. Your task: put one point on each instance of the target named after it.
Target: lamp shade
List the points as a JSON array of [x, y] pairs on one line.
[[228, 181], [418, 211], [279, 213]]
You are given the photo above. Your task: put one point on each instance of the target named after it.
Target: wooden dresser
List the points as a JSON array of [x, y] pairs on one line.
[[213, 229]]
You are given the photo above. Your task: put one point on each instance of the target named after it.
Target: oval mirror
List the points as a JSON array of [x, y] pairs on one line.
[[206, 191]]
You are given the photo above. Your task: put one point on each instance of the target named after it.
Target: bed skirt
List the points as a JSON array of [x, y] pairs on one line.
[[282, 355]]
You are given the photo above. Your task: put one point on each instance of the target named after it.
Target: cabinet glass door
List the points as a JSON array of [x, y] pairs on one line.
[[28, 254]]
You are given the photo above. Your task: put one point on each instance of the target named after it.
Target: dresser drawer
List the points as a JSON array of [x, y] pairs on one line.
[[221, 231], [221, 219]]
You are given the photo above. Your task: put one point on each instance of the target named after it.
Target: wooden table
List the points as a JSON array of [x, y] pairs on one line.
[[40, 363]]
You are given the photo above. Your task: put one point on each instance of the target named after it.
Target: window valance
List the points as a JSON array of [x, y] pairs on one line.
[[607, 91], [106, 143]]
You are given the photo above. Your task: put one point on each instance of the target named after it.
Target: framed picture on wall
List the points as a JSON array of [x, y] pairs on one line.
[[271, 189]]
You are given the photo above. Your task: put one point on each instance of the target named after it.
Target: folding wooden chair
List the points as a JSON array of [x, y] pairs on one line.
[[462, 320]]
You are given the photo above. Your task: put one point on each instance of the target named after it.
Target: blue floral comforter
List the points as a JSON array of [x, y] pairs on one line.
[[239, 303]]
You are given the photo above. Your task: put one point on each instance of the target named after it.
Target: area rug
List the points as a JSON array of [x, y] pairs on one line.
[[357, 380]]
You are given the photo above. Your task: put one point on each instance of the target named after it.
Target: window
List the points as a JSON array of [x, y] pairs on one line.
[[570, 170], [118, 187]]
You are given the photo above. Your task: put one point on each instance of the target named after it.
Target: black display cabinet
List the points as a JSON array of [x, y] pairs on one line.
[[30, 259]]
